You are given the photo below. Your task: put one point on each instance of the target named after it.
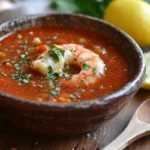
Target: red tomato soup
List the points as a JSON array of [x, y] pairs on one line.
[[58, 79]]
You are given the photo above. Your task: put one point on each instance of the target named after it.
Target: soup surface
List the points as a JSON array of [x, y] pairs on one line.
[[73, 82]]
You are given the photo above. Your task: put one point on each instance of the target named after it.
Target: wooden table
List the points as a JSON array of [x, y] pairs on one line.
[[12, 138]]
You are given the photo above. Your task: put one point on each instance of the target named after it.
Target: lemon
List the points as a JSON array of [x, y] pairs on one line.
[[132, 16], [146, 81]]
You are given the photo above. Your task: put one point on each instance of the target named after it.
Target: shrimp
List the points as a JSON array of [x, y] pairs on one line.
[[92, 66]]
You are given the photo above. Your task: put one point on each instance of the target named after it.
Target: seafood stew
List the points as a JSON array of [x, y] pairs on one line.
[[60, 65]]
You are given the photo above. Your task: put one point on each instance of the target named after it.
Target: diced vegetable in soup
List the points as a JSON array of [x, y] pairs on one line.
[[60, 65]]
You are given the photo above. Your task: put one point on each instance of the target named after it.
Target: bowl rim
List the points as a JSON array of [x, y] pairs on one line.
[[83, 104]]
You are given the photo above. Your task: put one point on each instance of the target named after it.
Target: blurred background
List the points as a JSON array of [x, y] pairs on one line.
[[10, 9], [14, 8]]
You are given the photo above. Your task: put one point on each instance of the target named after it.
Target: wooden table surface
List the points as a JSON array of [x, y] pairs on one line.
[[12, 138]]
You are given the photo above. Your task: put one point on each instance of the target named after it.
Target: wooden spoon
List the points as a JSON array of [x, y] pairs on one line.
[[138, 127]]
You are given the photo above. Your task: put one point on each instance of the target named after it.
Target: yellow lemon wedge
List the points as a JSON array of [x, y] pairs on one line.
[[132, 16], [146, 81]]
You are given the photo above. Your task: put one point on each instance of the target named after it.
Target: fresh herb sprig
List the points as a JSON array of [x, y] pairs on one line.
[[55, 52]]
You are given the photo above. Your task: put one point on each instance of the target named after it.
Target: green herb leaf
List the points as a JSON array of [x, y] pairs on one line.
[[56, 52], [86, 66], [17, 76], [53, 76], [66, 75], [95, 71], [50, 70], [67, 67], [51, 83], [24, 58], [54, 93], [57, 88], [4, 74], [26, 80], [23, 46], [72, 96], [21, 77]]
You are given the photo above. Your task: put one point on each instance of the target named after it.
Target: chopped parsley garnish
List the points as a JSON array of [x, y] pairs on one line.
[[55, 53], [55, 37], [54, 93], [24, 58], [23, 46], [20, 71], [86, 66], [57, 88], [51, 83], [72, 96], [17, 67], [50, 70], [53, 76], [56, 75], [17, 76], [66, 75], [26, 80], [95, 71], [21, 77], [3, 73], [67, 67]]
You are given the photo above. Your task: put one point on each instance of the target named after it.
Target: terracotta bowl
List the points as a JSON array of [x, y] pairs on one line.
[[74, 118]]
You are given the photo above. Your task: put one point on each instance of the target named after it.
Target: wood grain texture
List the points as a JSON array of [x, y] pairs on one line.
[[12, 137]]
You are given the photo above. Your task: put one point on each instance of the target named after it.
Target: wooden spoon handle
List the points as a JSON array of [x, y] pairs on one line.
[[135, 130]]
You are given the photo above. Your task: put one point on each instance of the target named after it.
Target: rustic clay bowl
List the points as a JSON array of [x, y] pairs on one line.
[[75, 118]]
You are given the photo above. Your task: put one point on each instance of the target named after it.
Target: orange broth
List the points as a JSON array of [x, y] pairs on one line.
[[17, 50]]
